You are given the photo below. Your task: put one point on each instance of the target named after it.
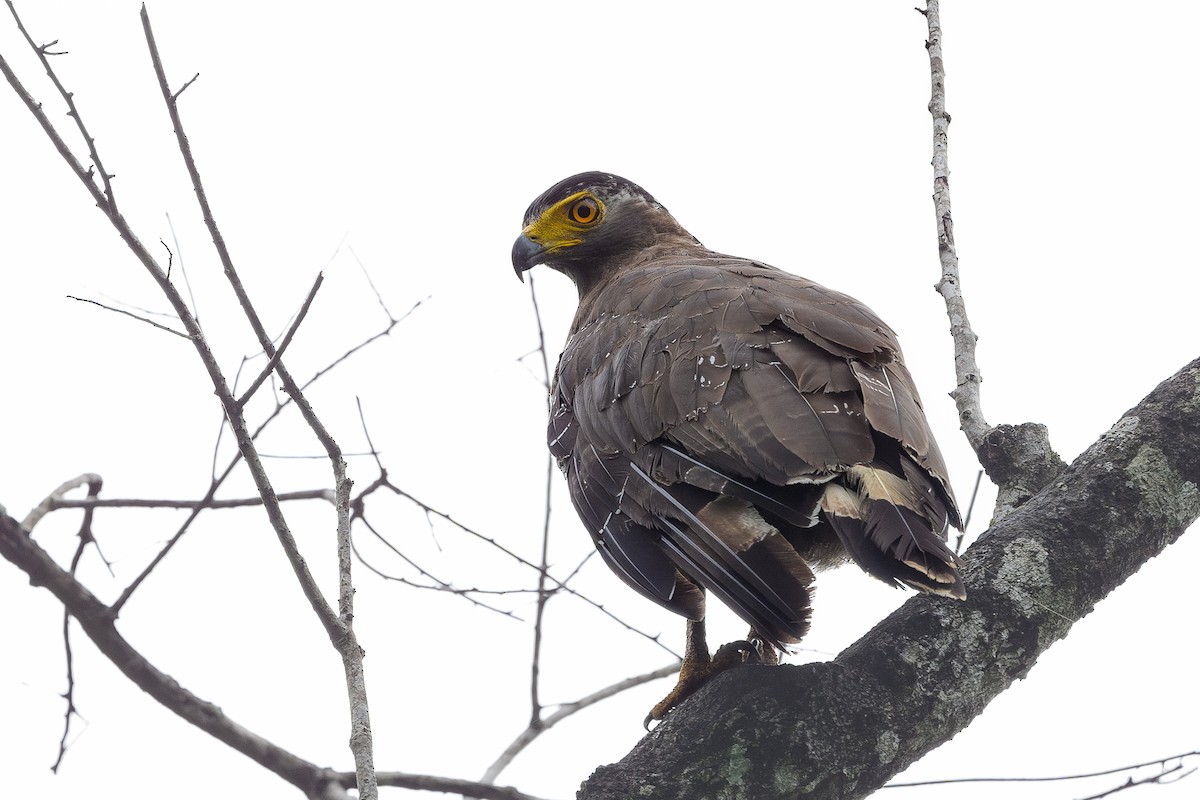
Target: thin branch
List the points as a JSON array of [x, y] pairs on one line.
[[237, 502], [183, 88], [130, 314], [440, 585], [559, 584], [35, 108], [448, 589], [543, 596], [48, 504], [1018, 458], [430, 783], [329, 618], [970, 510], [218, 480], [287, 340], [69, 695], [85, 537], [334, 626], [966, 393], [1175, 773], [72, 111], [371, 283], [1158, 762], [530, 733], [183, 270], [97, 621], [340, 628]]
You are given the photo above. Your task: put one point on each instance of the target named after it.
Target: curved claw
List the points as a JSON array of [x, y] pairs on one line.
[[697, 669]]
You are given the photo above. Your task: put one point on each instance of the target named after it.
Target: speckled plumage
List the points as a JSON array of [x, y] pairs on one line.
[[725, 426]]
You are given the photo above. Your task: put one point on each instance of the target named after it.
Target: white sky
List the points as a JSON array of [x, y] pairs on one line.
[[416, 136]]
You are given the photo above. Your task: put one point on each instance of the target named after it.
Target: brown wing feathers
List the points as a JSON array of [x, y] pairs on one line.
[[725, 426]]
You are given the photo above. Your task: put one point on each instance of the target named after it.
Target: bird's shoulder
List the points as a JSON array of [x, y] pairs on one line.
[[691, 297]]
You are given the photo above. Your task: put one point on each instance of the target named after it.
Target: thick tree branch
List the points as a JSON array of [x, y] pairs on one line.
[[843, 728]]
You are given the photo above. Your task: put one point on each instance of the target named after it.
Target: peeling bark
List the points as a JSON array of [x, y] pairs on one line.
[[842, 729]]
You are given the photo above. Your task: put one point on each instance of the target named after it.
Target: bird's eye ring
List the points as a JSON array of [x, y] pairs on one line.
[[584, 211]]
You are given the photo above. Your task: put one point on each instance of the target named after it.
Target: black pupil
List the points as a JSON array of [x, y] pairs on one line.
[[584, 211]]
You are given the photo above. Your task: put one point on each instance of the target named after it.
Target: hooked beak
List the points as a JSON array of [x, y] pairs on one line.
[[526, 253]]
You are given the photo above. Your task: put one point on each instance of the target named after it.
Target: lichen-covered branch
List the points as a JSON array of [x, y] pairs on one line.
[[842, 729]]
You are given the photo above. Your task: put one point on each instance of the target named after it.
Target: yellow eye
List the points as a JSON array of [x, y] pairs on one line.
[[584, 211]]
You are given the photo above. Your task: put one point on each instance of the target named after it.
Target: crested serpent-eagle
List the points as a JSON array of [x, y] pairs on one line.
[[728, 427]]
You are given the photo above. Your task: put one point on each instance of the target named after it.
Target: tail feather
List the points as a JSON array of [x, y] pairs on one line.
[[727, 545], [878, 518]]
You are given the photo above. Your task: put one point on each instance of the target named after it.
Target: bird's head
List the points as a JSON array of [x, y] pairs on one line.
[[589, 225]]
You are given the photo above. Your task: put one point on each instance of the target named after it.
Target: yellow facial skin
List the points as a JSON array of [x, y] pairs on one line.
[[561, 224]]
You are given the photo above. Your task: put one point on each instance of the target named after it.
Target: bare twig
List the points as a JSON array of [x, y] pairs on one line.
[[183, 270], [440, 584], [236, 502], [183, 88], [72, 111], [1175, 773], [339, 628], [287, 339], [69, 695], [86, 536], [535, 714], [130, 314], [1018, 458], [371, 283], [48, 504], [970, 510], [98, 621], [218, 480], [526, 737], [966, 394], [559, 585], [1162, 763], [430, 783]]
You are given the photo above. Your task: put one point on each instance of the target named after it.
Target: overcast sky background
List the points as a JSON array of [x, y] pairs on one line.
[[411, 138]]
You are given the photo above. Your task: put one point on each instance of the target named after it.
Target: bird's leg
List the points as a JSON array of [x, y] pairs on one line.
[[698, 666]]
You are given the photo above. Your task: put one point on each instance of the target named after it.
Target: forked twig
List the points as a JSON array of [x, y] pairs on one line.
[[526, 737], [72, 112], [287, 340]]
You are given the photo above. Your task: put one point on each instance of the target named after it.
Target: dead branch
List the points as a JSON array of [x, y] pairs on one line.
[[1175, 762], [237, 502], [339, 628], [543, 595], [1019, 459], [129, 314], [543, 724], [69, 98], [287, 339], [98, 622]]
